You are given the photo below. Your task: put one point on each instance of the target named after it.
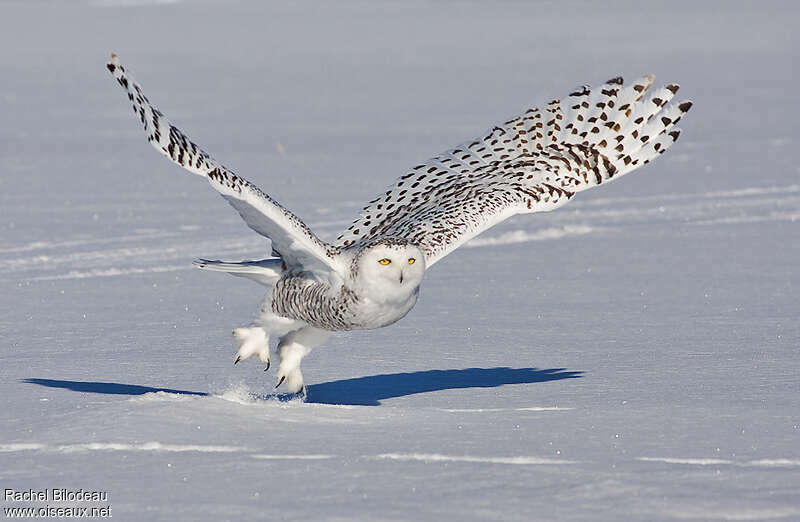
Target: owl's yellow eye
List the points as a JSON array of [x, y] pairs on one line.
[[411, 260], [385, 261]]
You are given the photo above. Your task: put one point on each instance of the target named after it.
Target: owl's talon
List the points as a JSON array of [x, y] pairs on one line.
[[267, 368], [238, 358], [280, 381]]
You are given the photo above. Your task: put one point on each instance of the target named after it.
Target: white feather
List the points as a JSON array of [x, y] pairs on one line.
[[266, 271]]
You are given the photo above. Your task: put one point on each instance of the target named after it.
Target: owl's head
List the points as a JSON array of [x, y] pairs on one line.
[[389, 269]]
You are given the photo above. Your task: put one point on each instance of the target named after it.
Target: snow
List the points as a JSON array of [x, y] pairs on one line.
[[630, 356]]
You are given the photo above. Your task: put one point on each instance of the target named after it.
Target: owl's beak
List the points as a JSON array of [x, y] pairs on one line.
[[401, 277]]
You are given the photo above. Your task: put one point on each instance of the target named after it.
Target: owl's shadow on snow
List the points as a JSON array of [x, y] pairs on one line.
[[359, 391], [106, 388], [370, 390]]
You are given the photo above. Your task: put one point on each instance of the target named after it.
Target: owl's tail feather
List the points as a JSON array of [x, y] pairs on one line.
[[265, 271]]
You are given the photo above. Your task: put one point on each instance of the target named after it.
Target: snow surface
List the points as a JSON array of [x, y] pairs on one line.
[[631, 356]]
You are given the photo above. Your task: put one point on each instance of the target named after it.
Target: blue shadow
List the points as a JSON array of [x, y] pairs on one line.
[[108, 388], [360, 391], [369, 391]]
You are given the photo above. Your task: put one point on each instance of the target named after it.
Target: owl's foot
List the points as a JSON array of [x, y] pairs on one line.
[[292, 376], [250, 341], [292, 348]]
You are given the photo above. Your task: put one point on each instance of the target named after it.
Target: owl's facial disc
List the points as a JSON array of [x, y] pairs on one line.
[[391, 271]]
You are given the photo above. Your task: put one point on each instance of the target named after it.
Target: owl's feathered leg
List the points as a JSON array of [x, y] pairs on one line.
[[292, 348], [250, 341], [254, 339]]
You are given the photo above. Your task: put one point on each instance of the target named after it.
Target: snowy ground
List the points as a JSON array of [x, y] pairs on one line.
[[631, 356]]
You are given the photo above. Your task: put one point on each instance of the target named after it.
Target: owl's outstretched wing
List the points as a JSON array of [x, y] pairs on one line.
[[531, 163], [291, 238]]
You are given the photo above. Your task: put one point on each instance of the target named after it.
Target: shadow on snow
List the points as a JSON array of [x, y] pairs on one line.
[[108, 388], [359, 391], [369, 391]]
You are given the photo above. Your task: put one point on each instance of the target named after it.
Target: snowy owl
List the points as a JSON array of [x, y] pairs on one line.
[[370, 278]]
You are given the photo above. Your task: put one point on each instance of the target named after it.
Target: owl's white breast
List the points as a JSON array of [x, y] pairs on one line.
[[376, 313]]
